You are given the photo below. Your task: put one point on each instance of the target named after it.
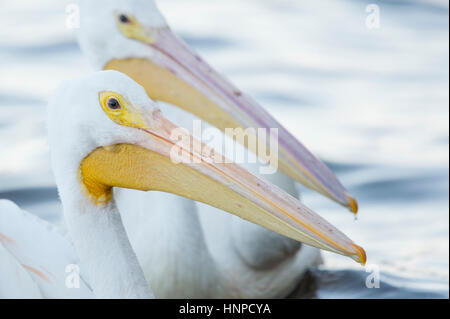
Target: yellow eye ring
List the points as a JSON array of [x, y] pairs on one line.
[[120, 110], [112, 102], [130, 27]]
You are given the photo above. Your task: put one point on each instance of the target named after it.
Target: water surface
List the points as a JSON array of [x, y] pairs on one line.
[[372, 103]]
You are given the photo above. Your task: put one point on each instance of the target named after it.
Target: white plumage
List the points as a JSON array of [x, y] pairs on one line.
[[184, 249], [93, 148], [271, 265], [34, 257]]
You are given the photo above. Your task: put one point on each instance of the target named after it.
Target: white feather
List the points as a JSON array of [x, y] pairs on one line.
[[208, 266], [77, 126], [99, 36], [34, 257]]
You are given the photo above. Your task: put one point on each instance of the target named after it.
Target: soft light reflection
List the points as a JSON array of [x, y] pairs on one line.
[[372, 103]]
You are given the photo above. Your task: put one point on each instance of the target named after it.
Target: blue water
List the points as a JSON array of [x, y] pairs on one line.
[[372, 103]]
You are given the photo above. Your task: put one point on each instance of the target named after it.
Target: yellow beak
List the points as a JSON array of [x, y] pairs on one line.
[[177, 75], [183, 166]]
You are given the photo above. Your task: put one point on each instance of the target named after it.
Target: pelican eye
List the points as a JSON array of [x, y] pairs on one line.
[[120, 110], [113, 104], [130, 27], [123, 18]]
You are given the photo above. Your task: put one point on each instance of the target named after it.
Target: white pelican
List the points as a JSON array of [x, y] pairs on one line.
[[104, 132], [134, 38]]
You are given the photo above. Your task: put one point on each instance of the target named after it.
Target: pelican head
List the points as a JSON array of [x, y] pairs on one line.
[[118, 29], [105, 132], [133, 37]]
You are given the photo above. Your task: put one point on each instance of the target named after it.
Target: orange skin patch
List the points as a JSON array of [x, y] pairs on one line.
[[36, 272], [6, 239]]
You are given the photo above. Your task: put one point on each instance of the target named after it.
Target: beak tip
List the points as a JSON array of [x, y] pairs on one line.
[[352, 204], [361, 256]]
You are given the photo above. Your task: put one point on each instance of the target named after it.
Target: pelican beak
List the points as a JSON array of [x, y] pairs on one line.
[[168, 159], [177, 75]]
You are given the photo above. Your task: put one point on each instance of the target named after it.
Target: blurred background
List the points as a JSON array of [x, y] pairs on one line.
[[371, 102]]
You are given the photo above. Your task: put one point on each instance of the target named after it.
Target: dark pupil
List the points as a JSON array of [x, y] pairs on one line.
[[113, 104], [124, 19]]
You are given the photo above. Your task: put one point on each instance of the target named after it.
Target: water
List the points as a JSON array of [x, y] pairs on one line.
[[372, 103]]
